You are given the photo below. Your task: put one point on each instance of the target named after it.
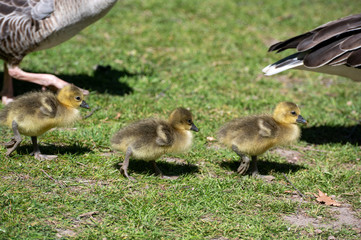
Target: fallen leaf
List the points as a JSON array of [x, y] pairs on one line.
[[118, 116], [105, 119], [211, 139], [65, 233], [324, 199]]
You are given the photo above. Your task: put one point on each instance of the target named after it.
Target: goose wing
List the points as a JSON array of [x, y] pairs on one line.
[[19, 24], [334, 43]]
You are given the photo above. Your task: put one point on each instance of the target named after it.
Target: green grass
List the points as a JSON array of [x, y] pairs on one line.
[[146, 58]]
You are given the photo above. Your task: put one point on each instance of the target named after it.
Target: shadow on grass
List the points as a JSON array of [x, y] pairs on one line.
[[332, 134], [54, 150], [104, 80], [168, 169], [265, 167]]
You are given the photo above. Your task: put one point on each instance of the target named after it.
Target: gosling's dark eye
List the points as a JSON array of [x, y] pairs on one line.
[[189, 121], [77, 98], [293, 113]]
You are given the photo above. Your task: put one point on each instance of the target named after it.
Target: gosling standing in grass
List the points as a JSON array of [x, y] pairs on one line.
[[254, 135], [34, 113], [151, 138]]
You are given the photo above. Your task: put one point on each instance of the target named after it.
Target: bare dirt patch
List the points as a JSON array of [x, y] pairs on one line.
[[64, 233], [342, 216], [17, 177], [291, 156], [214, 145]]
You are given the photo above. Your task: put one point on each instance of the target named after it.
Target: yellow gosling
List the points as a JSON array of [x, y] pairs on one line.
[[149, 139], [34, 113], [254, 135]]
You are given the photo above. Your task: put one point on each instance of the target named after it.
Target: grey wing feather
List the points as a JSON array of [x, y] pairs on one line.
[[42, 9], [323, 55], [334, 43], [354, 60], [19, 20]]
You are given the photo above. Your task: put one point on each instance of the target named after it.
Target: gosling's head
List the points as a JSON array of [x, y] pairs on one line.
[[182, 119], [288, 113], [71, 96]]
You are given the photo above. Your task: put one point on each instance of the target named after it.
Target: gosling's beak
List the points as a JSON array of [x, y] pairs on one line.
[[300, 119], [84, 104], [194, 128]]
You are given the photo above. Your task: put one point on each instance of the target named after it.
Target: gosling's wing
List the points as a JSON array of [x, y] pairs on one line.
[[49, 107], [165, 136], [39, 105], [267, 128]]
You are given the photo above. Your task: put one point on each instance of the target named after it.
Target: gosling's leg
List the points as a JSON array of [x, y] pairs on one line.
[[157, 171], [254, 167], [255, 173], [244, 165], [37, 153], [15, 141], [124, 168]]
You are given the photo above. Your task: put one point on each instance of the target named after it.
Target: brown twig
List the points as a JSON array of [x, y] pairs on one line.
[[298, 191], [61, 184], [82, 164], [91, 112], [88, 214]]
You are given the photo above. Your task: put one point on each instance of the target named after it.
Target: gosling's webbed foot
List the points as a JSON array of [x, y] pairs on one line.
[[124, 171], [6, 99], [11, 149], [265, 177], [169, 177], [10, 144], [245, 161], [15, 141], [244, 165], [36, 153], [39, 156], [256, 174], [124, 165], [125, 174]]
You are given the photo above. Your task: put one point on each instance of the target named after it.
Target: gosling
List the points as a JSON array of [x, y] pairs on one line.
[[149, 139], [254, 135], [34, 113]]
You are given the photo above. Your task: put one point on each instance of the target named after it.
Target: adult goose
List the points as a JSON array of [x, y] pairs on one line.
[[332, 48], [31, 25]]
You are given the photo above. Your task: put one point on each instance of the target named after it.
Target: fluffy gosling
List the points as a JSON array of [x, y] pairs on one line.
[[34, 113], [254, 135], [151, 138]]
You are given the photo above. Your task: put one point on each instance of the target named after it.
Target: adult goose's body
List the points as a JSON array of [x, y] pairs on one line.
[[333, 48], [31, 25]]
